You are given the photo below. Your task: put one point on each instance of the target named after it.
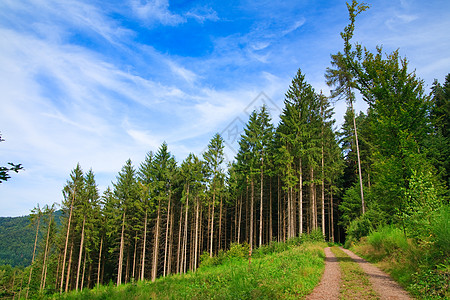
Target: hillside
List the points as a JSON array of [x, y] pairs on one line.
[[17, 240]]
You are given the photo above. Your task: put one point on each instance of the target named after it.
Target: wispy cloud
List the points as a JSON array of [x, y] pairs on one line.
[[156, 11], [202, 14]]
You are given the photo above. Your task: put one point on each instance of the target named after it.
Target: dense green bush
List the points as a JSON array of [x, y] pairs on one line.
[[440, 229]]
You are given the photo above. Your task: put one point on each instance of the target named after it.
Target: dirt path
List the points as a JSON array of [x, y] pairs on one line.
[[329, 286], [381, 282], [331, 279]]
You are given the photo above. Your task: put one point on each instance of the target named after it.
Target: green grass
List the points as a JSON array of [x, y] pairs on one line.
[[354, 281], [290, 274], [422, 268]]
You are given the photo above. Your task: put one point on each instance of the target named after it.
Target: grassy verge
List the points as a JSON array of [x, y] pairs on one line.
[[290, 274], [354, 281], [421, 268]]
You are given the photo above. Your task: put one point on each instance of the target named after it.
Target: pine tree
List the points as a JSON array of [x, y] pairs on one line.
[[126, 191], [214, 158]]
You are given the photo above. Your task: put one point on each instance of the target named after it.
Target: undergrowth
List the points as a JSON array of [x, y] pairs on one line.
[[276, 271], [421, 266]]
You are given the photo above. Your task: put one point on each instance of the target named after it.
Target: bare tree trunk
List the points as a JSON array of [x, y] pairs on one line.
[[212, 224], [220, 223], [251, 214], [239, 221], [323, 193], [68, 268], [119, 271], [179, 240], [169, 263], [84, 269], [144, 246], [312, 200], [44, 270], [67, 241], [261, 204], [300, 197], [127, 268], [331, 214], [196, 234], [81, 253], [270, 210], [279, 212], [156, 244], [57, 272], [184, 256], [99, 260], [167, 236], [359, 160], [134, 256]]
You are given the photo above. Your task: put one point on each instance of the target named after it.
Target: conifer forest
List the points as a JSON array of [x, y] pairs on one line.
[[164, 215]]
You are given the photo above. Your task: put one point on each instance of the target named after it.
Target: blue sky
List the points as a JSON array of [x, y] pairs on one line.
[[98, 82]]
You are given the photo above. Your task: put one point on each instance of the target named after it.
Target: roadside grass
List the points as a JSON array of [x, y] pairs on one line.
[[354, 281], [423, 269], [277, 273]]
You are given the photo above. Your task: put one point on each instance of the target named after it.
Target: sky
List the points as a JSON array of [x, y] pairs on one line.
[[99, 82]]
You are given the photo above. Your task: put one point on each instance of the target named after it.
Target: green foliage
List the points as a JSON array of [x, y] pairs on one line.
[[4, 171], [389, 239], [421, 202], [17, 240], [286, 275], [440, 229], [423, 269]]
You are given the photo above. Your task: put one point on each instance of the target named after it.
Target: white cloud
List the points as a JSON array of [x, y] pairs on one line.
[[203, 14], [156, 11]]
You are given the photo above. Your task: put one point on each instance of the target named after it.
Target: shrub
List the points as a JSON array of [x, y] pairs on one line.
[[440, 228], [389, 239]]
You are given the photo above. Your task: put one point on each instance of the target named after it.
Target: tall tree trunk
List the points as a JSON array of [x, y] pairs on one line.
[[300, 196], [84, 269], [261, 204], [185, 232], [67, 241], [251, 214], [331, 214], [167, 235], [119, 271], [144, 246], [359, 160], [312, 200], [81, 253], [196, 234], [323, 192], [44, 270], [220, 223], [279, 212], [239, 221], [270, 210], [134, 256], [156, 244], [69, 267], [99, 260], [169, 263], [212, 224], [57, 271], [127, 268], [180, 223]]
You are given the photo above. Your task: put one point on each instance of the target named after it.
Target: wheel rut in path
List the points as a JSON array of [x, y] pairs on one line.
[[381, 282], [329, 286]]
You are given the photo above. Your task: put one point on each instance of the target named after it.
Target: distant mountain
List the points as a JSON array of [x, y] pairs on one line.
[[17, 240]]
